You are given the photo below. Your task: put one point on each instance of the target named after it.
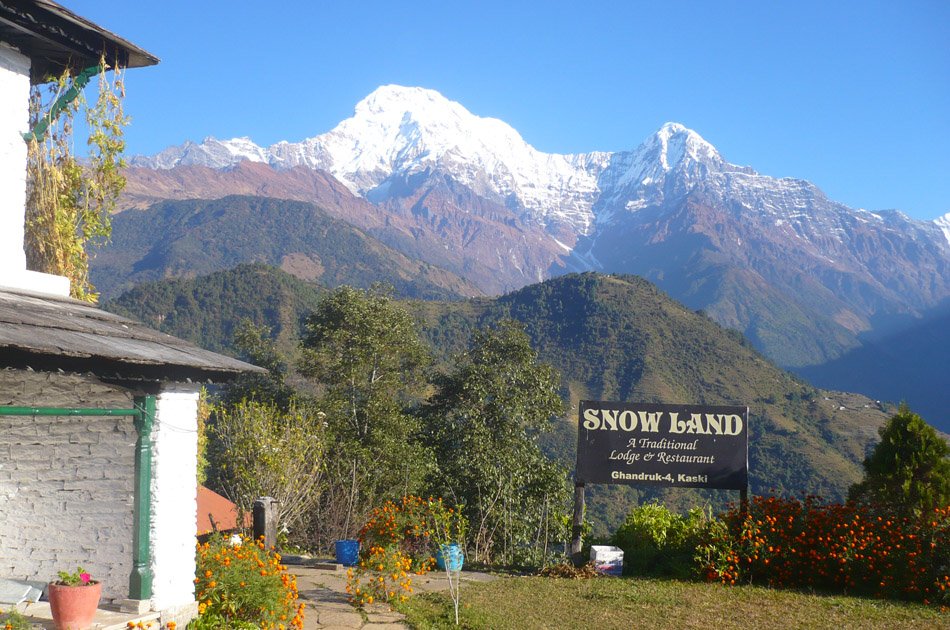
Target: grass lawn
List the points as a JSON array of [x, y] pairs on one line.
[[605, 603]]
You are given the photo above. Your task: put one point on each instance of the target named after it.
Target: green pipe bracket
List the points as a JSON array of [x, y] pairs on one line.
[[143, 416], [38, 132]]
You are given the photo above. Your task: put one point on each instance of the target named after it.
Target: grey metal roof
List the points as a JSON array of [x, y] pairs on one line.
[[55, 38], [51, 332]]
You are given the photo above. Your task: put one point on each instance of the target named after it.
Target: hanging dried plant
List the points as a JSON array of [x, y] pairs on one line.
[[70, 201]]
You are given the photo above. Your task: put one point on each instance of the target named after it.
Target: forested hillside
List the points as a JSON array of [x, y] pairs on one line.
[[620, 338], [611, 338], [207, 310]]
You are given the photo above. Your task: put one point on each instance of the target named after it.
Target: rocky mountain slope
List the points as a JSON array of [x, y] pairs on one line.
[[801, 275], [201, 236]]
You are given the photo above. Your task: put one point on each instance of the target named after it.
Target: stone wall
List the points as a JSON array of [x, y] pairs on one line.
[[66, 483]]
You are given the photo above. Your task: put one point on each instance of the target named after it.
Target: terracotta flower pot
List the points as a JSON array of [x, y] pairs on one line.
[[73, 607]]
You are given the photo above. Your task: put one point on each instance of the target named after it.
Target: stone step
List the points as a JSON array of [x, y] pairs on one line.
[[38, 614]]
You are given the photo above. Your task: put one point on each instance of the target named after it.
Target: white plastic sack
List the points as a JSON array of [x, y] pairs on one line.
[[607, 559]]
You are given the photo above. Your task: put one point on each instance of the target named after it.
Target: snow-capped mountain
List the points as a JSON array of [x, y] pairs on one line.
[[211, 152], [398, 132], [943, 224], [799, 274]]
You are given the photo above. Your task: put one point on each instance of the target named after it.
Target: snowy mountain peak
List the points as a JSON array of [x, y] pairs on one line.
[[400, 130], [213, 153], [944, 224], [397, 133], [677, 143], [397, 100], [675, 151]]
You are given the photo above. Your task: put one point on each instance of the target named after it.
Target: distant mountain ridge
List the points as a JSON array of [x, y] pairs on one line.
[[202, 236], [801, 275], [908, 365], [398, 131]]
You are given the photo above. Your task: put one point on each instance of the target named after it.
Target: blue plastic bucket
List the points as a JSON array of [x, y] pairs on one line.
[[452, 555], [347, 551]]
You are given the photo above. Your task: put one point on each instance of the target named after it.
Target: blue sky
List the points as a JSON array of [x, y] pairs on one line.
[[854, 96]]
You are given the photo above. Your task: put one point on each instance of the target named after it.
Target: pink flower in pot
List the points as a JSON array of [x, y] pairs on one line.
[[73, 600]]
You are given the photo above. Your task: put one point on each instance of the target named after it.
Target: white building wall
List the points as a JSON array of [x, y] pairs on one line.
[[14, 121], [174, 499], [67, 485]]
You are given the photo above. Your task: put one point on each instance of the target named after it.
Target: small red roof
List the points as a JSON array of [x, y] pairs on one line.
[[212, 506]]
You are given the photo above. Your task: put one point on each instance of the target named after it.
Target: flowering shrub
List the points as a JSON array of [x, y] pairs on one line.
[[400, 539], [804, 543], [13, 620], [407, 526], [244, 586], [382, 575]]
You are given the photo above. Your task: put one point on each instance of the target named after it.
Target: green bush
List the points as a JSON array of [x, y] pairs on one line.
[[656, 541]]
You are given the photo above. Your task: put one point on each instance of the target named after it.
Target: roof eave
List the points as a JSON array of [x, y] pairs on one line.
[[55, 39]]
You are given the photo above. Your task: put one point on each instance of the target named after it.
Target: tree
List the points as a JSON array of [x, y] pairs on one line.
[[908, 473], [257, 346], [483, 424], [365, 356], [256, 449]]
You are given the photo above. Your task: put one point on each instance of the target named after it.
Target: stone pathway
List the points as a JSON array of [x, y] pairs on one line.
[[323, 589]]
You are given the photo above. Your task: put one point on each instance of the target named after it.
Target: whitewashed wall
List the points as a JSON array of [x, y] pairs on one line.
[[14, 122], [174, 498], [14, 118], [66, 483]]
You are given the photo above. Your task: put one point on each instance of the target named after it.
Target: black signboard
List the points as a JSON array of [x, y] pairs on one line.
[[694, 446]]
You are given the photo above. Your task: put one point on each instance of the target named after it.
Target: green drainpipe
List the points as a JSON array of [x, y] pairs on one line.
[[143, 416], [39, 131], [140, 582]]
